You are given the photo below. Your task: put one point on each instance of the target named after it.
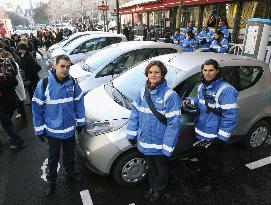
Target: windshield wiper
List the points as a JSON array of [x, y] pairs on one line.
[[126, 99]]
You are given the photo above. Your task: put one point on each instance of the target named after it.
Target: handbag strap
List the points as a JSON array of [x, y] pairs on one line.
[[162, 118]]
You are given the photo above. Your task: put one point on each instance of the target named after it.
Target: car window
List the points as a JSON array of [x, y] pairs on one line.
[[163, 51], [112, 40], [100, 43], [249, 76], [189, 87], [88, 46], [118, 65], [143, 54]]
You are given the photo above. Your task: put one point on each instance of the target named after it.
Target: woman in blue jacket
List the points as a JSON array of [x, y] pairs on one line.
[[156, 136], [189, 42]]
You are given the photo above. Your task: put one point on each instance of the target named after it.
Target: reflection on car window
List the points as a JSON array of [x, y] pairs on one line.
[[249, 76], [163, 51]]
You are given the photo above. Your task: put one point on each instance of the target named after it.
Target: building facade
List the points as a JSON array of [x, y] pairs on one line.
[[168, 14]]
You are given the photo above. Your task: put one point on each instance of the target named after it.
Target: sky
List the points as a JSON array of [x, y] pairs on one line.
[[25, 3]]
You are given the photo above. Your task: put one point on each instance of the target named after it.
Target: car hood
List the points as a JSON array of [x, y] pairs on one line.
[[53, 47], [77, 71], [99, 106], [57, 52]]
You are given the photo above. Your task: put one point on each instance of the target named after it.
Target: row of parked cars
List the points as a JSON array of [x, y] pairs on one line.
[[112, 77]]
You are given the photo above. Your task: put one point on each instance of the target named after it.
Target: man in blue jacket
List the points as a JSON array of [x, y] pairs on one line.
[[205, 37], [58, 110], [219, 44], [217, 105]]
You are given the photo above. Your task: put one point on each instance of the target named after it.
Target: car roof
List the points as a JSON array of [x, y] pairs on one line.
[[133, 45], [188, 60], [96, 35]]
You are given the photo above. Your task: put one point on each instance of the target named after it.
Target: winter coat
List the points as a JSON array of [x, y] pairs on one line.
[[58, 109], [219, 46], [223, 98], [188, 44], [178, 39], [153, 137], [205, 38], [29, 67], [8, 97]]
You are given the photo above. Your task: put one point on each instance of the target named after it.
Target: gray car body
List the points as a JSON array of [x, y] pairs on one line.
[[102, 150]]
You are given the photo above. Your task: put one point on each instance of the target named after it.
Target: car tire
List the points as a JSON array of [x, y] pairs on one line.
[[257, 135], [130, 168]]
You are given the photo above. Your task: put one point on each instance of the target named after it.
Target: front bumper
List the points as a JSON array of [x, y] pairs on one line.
[[98, 151]]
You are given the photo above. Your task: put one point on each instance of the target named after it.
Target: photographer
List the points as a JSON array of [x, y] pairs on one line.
[[8, 99]]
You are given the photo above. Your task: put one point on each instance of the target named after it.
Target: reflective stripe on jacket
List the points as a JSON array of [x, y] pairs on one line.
[[222, 97], [153, 137], [58, 108], [221, 45]]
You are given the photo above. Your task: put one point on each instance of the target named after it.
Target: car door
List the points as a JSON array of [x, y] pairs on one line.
[[189, 88]]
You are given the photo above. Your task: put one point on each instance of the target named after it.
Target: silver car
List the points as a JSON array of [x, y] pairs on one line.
[[71, 38], [104, 145], [86, 46], [114, 59]]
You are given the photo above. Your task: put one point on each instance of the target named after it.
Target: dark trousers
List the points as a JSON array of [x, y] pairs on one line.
[[68, 146], [158, 172], [21, 109], [5, 118], [211, 164], [31, 89]]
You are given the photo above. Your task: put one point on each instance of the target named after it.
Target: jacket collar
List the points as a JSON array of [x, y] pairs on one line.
[[66, 82], [159, 86]]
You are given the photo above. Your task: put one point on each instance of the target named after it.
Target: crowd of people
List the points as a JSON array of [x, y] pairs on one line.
[[188, 39], [58, 108]]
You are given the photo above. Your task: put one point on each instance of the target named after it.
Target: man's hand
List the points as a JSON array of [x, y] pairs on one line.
[[185, 103], [42, 138], [202, 143], [79, 129]]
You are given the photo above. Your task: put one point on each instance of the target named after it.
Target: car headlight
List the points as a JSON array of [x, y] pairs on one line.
[[96, 128]]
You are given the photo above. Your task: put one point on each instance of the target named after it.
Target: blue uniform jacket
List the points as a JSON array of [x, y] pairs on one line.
[[58, 109], [153, 137], [220, 46], [222, 97], [225, 32], [178, 39], [187, 29], [205, 38], [188, 44]]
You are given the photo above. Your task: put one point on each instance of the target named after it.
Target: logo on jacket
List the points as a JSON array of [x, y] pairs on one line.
[[70, 89], [159, 100]]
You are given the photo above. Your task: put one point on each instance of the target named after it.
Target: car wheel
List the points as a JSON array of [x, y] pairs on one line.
[[130, 169], [257, 135]]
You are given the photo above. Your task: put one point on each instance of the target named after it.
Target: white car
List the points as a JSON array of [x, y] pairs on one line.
[[86, 46], [71, 38], [113, 60]]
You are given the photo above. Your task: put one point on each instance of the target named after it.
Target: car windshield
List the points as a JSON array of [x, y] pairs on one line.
[[71, 44], [130, 82], [98, 59]]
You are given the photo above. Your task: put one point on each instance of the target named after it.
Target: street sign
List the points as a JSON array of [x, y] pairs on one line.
[[103, 7]]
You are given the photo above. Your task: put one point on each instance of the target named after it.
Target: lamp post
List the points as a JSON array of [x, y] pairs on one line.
[[118, 18]]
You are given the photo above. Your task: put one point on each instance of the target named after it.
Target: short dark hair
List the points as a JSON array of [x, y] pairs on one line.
[[218, 32], [158, 63], [211, 62], [62, 57], [22, 46]]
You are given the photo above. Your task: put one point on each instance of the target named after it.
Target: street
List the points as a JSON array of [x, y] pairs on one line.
[[23, 173]]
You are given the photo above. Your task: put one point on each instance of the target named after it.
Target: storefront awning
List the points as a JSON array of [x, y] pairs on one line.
[[151, 5], [138, 2]]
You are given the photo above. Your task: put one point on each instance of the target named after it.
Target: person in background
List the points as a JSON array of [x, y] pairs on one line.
[[189, 42], [30, 68], [223, 27], [145, 33], [9, 99], [168, 37], [152, 35], [205, 37], [219, 44], [178, 37], [191, 28], [155, 136]]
